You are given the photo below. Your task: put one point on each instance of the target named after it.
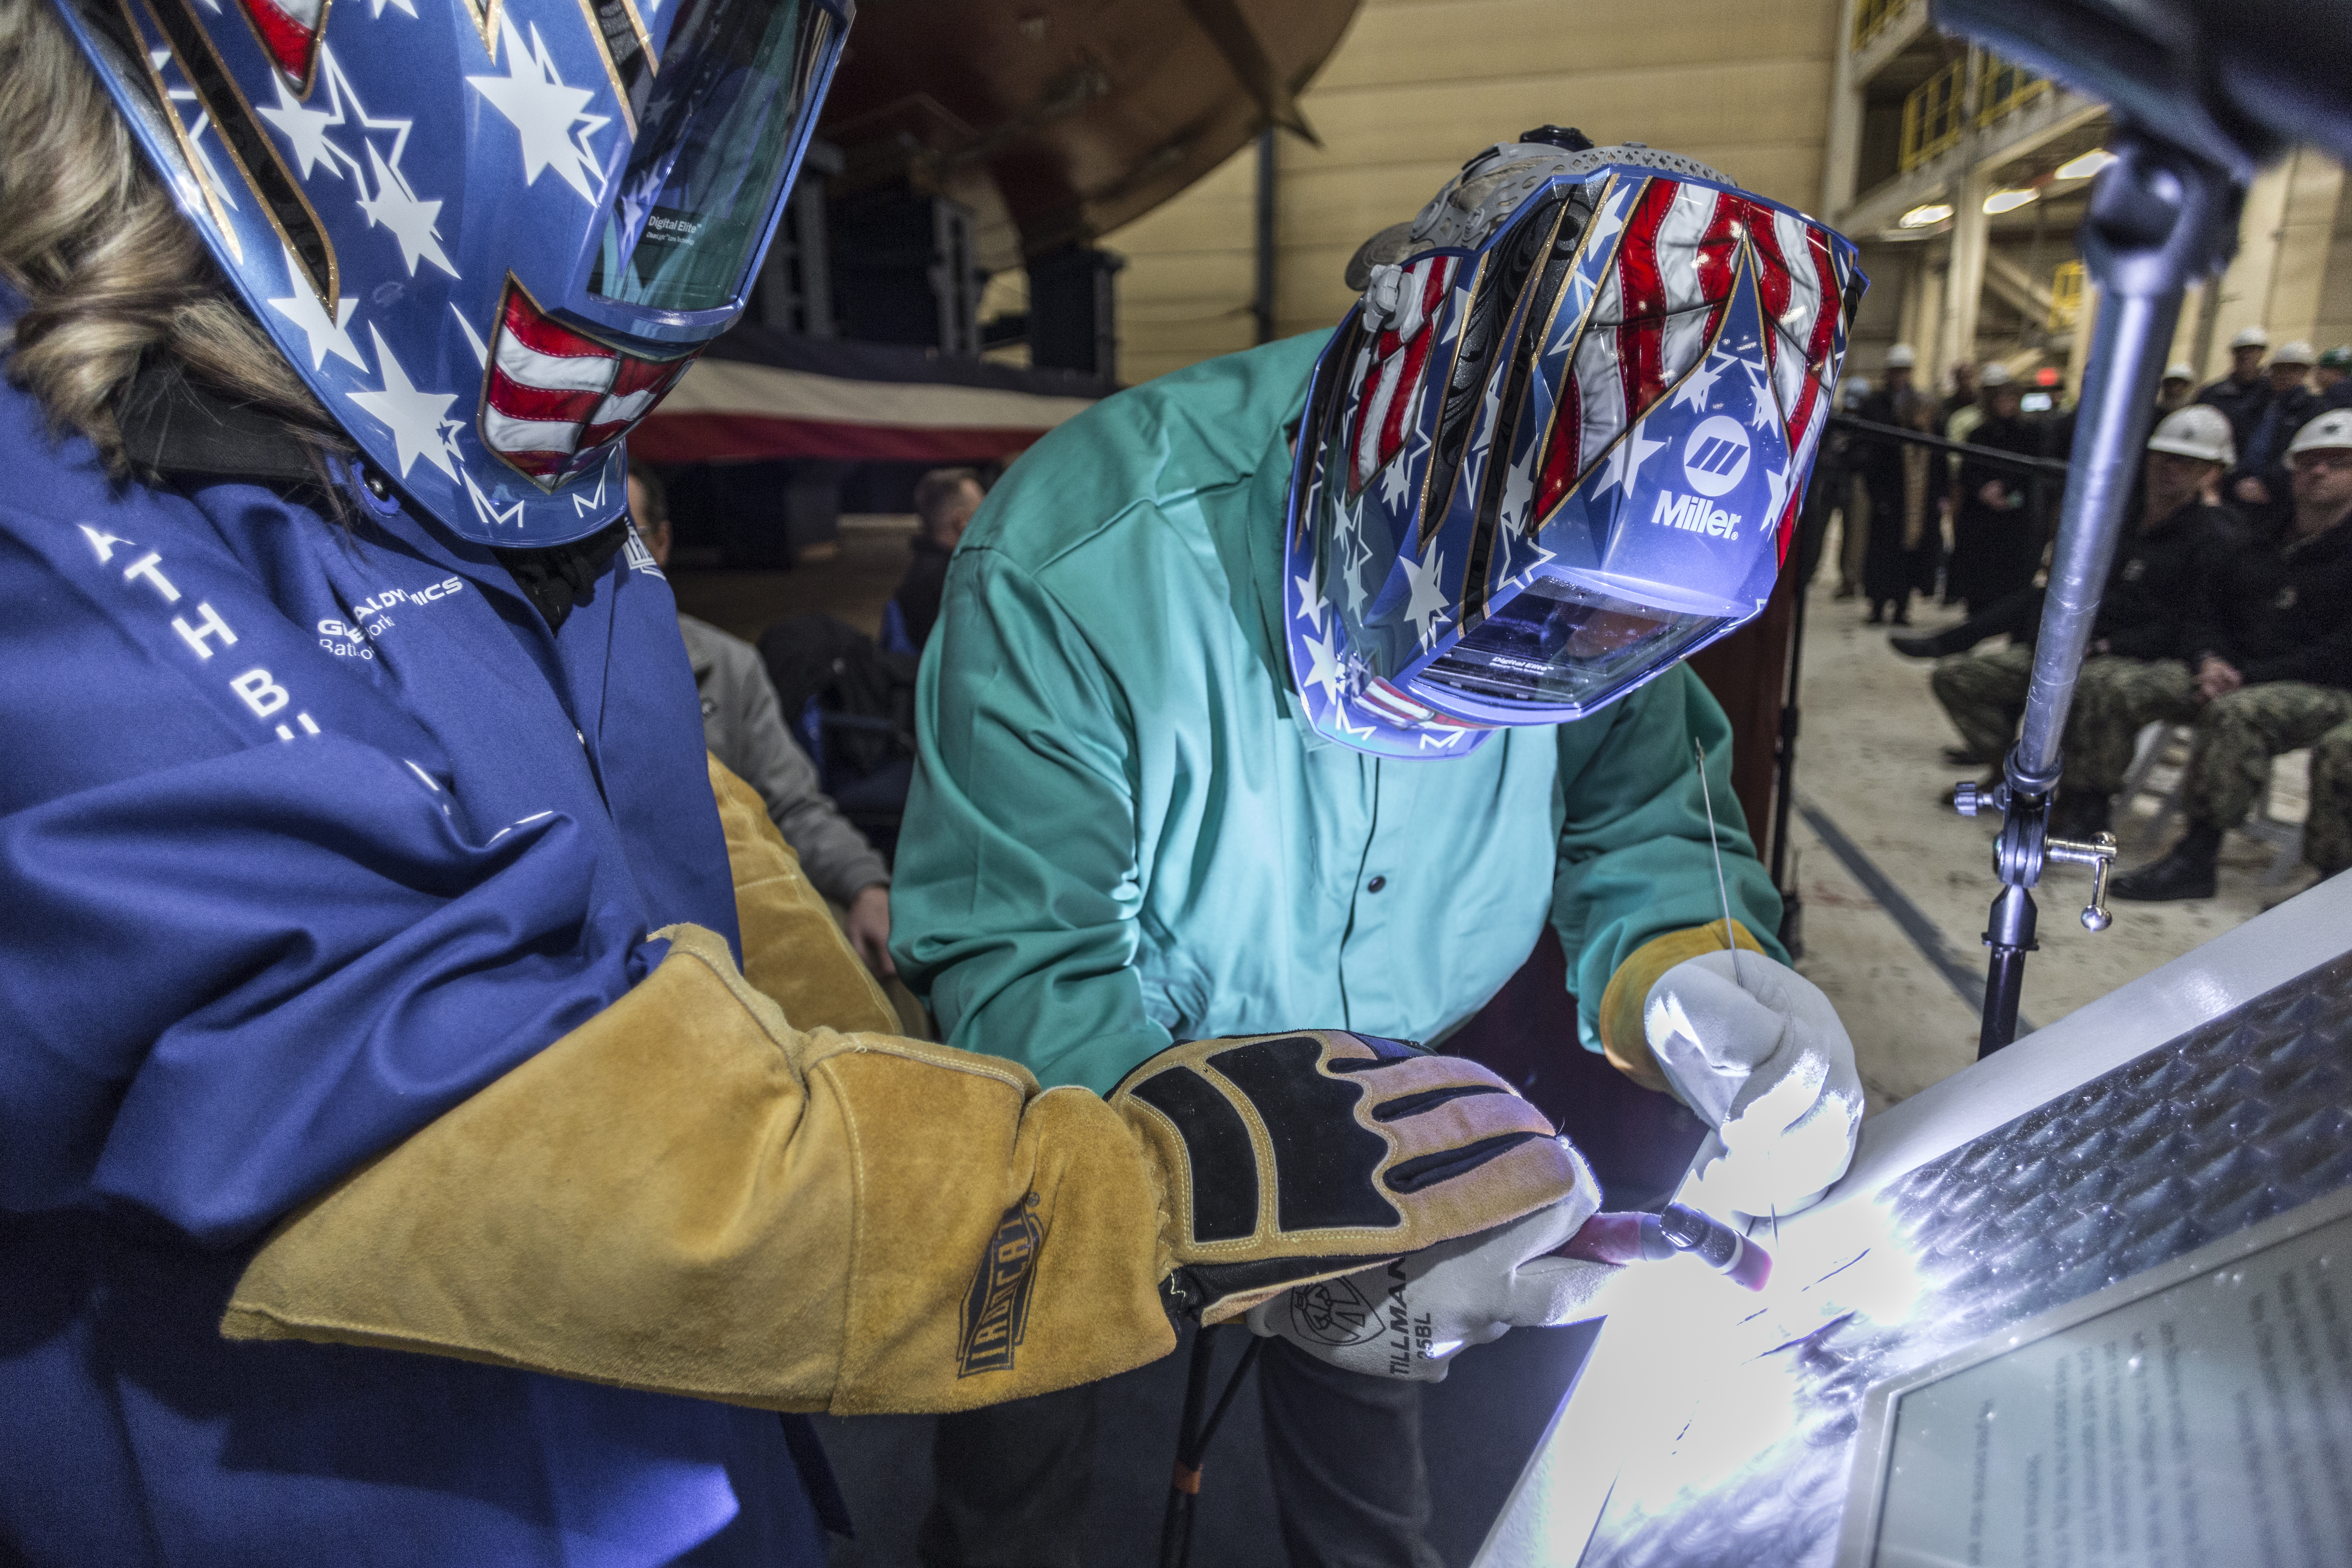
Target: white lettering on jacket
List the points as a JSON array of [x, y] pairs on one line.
[[205, 636], [262, 694], [146, 566], [209, 624]]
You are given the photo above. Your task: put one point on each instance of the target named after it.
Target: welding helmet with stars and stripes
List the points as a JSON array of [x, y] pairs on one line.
[[1561, 443], [489, 234]]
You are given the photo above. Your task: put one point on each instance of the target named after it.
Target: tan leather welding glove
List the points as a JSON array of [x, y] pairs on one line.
[[746, 1190], [793, 950], [687, 1194]]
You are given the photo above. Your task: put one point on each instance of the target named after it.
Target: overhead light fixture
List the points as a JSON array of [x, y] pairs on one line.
[[1924, 216], [2083, 166], [2010, 200]]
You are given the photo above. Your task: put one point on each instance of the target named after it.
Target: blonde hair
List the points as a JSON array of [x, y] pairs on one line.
[[111, 271]]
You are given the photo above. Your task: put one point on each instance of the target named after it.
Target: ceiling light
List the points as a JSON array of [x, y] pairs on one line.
[[1922, 216], [2010, 200], [2085, 165]]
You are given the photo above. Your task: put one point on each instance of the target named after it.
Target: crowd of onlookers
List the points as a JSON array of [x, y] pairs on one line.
[[2228, 609]]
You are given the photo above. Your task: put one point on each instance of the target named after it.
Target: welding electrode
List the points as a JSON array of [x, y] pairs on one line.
[[1630, 1237]]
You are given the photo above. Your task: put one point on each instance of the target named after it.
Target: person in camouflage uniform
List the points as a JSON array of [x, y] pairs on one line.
[[2141, 620], [2327, 831], [2271, 670]]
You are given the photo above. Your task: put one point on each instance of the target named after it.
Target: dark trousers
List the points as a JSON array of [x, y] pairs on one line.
[[1349, 1484]]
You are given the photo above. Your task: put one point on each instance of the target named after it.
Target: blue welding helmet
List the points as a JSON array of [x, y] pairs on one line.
[[1560, 444], [489, 234]]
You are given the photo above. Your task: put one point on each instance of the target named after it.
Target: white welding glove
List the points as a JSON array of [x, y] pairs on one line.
[[1406, 1320], [1764, 1061]]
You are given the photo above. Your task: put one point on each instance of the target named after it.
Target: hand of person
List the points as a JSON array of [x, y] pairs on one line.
[[2253, 492], [1408, 1319], [866, 922], [2217, 678], [1994, 494], [1287, 1159], [1759, 1052]]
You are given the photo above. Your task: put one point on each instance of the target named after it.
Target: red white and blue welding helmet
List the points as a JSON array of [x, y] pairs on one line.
[[1560, 444], [489, 234]]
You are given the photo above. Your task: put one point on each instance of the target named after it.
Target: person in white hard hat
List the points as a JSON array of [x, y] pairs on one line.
[[2244, 393], [2173, 391], [2140, 620], [2260, 484], [2268, 668]]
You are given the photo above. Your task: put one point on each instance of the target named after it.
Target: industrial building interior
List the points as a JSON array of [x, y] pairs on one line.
[[1053, 1072], [1044, 189], [1865, 118]]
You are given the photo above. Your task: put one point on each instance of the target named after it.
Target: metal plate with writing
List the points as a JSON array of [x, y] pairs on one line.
[[2199, 1413]]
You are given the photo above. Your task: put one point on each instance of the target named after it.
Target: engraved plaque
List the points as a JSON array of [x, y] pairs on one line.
[[2198, 1413]]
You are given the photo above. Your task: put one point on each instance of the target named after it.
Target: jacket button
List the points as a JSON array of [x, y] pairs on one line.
[[1376, 884]]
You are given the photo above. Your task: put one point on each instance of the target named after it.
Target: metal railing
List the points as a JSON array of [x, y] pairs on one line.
[[1971, 92], [2004, 85], [1935, 115], [2065, 297], [1871, 17]]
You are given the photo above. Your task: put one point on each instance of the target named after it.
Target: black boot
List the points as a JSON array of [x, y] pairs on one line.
[[2185, 872], [1878, 612], [2081, 816], [1935, 645]]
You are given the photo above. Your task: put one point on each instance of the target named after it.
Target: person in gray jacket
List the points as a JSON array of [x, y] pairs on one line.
[[744, 727]]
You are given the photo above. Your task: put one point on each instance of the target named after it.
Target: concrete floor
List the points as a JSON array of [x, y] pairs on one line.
[[1869, 766]]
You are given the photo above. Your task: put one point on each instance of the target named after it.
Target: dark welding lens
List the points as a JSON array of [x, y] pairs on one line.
[[1557, 643], [719, 126]]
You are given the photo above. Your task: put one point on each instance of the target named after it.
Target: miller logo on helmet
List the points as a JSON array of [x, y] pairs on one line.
[[490, 237]]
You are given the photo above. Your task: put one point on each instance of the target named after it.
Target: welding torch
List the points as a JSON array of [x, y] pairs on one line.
[[1651, 1237], [1614, 1238]]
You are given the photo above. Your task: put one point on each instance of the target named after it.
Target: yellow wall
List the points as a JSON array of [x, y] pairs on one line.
[[1417, 86]]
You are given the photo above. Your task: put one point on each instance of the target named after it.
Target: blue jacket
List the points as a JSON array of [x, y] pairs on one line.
[[307, 832]]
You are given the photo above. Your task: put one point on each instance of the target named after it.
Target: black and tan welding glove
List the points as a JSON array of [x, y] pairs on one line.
[[1295, 1157], [690, 1195]]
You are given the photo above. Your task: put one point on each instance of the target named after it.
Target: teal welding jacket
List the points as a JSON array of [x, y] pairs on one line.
[[1122, 832]]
